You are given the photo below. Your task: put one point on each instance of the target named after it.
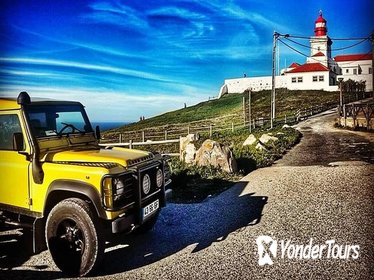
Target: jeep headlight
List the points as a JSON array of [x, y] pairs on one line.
[[146, 184], [159, 178], [118, 188]]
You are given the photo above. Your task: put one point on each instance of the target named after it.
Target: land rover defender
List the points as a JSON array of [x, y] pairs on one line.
[[70, 191]]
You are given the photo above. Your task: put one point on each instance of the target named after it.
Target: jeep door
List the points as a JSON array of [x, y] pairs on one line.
[[14, 166]]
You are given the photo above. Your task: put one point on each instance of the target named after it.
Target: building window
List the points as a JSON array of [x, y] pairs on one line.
[[370, 69], [321, 78], [294, 79], [347, 71], [354, 71], [299, 79], [314, 78]]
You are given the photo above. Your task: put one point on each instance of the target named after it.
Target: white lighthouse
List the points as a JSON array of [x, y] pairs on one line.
[[319, 72], [320, 44]]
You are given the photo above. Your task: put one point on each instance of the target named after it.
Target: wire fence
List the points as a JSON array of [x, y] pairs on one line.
[[209, 126]]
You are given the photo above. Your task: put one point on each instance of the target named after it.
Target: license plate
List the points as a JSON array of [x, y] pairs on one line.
[[150, 209]]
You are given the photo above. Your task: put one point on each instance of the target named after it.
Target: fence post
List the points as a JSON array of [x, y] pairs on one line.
[[354, 115], [254, 124], [345, 116], [143, 136], [166, 135], [188, 130], [232, 127], [210, 130], [285, 118], [244, 110], [367, 117], [120, 138], [130, 144]]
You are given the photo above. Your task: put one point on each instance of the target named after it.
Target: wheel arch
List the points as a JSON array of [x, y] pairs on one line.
[[63, 189]]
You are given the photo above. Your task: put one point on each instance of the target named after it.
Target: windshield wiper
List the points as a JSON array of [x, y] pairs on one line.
[[72, 127]]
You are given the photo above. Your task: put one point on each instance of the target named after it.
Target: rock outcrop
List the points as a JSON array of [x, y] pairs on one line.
[[265, 138], [212, 153], [187, 149], [251, 140]]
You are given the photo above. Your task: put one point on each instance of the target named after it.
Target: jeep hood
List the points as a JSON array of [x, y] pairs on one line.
[[120, 156]]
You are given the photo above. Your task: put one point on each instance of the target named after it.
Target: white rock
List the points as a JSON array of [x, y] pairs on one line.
[[286, 126], [266, 138], [250, 140], [183, 143], [190, 153], [260, 147]]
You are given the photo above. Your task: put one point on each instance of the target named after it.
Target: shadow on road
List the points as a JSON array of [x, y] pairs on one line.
[[182, 225], [15, 250]]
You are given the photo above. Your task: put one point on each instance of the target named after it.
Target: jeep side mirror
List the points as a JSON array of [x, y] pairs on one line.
[[98, 134], [18, 144]]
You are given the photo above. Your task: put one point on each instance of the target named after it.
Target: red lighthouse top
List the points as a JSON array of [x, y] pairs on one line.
[[320, 26]]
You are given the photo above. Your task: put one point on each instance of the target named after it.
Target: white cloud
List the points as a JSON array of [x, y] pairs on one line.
[[115, 14], [85, 66], [114, 106]]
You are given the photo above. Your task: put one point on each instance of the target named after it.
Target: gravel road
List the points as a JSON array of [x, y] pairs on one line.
[[321, 190]]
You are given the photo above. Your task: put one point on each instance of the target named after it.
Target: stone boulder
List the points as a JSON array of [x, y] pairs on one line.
[[250, 140], [190, 153], [260, 147], [212, 153], [187, 149], [265, 138]]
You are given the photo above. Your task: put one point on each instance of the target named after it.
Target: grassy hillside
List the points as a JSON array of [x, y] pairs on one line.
[[230, 107]]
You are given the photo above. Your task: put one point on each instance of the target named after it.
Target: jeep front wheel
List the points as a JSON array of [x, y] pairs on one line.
[[74, 237]]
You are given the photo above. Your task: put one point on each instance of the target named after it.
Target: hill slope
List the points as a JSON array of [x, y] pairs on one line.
[[230, 108]]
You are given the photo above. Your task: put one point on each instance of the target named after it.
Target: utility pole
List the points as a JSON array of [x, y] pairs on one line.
[[372, 61], [340, 96], [272, 112], [249, 111]]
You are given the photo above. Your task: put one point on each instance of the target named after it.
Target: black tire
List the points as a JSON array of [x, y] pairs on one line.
[[148, 225], [74, 237]]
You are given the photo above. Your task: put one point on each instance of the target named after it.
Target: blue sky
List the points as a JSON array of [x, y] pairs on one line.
[[125, 59]]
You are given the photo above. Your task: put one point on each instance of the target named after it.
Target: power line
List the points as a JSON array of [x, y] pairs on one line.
[[295, 50], [335, 39], [338, 49], [299, 52]]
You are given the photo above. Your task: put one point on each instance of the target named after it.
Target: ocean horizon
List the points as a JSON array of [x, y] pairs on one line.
[[108, 125]]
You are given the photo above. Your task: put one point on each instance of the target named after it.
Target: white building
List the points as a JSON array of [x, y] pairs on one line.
[[320, 72], [357, 67]]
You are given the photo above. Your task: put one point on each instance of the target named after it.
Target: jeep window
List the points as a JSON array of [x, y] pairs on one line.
[[57, 120], [9, 124]]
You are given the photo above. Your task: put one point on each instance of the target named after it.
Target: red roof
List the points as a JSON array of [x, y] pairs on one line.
[[294, 65], [309, 67], [318, 54], [320, 19], [353, 57]]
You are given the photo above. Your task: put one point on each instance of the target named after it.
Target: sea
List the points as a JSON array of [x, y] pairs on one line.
[[108, 125]]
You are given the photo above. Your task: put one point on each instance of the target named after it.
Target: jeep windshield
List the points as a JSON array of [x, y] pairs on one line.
[[57, 120]]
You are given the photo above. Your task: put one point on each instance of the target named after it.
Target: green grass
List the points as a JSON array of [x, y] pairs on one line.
[[229, 109], [191, 183]]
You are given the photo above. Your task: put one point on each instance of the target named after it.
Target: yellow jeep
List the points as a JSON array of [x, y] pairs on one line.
[[58, 181]]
